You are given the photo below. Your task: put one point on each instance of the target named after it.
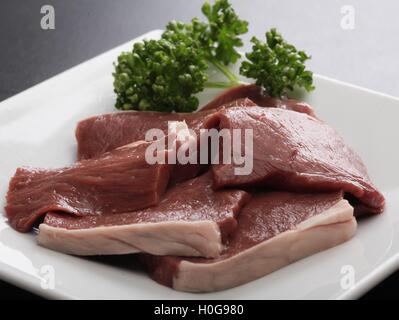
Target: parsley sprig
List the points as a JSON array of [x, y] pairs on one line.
[[165, 74], [277, 65]]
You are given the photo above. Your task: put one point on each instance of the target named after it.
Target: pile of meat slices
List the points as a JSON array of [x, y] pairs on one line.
[[201, 228]]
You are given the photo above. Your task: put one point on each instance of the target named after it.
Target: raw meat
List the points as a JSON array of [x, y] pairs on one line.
[[294, 151], [100, 134], [256, 94], [104, 133], [274, 230], [191, 220], [120, 181]]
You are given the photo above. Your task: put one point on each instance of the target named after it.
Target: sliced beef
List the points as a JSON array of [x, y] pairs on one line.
[[104, 133], [191, 220], [100, 134], [120, 181], [274, 230], [256, 94], [294, 151]]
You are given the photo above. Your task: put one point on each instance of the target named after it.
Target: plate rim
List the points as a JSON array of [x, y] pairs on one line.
[[17, 278]]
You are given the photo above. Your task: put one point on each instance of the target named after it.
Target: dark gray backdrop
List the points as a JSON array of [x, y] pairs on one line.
[[366, 55]]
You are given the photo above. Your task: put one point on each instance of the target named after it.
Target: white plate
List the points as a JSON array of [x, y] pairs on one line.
[[37, 129]]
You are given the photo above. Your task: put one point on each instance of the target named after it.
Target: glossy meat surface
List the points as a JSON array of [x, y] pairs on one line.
[[274, 229], [192, 220], [271, 213], [104, 133], [294, 151], [192, 200], [256, 94], [120, 181], [100, 134]]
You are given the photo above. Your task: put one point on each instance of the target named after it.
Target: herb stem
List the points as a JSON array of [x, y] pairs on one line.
[[225, 70], [220, 85]]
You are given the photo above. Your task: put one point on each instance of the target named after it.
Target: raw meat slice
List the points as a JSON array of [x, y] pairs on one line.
[[120, 181], [100, 134], [256, 94], [191, 220], [104, 133], [294, 151], [274, 230]]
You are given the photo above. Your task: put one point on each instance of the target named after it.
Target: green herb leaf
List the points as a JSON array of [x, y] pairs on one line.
[[223, 32], [277, 65], [164, 75], [160, 75]]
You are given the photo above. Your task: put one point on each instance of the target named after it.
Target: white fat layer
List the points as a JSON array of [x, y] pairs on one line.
[[180, 238], [328, 229]]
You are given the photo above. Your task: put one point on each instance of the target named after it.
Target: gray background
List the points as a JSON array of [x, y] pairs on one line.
[[367, 56]]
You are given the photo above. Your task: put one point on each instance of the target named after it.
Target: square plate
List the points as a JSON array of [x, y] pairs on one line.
[[37, 129]]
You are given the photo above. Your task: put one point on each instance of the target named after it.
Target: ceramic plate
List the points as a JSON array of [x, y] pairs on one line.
[[37, 129]]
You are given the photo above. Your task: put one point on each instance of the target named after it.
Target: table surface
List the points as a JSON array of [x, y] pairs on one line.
[[366, 55]]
